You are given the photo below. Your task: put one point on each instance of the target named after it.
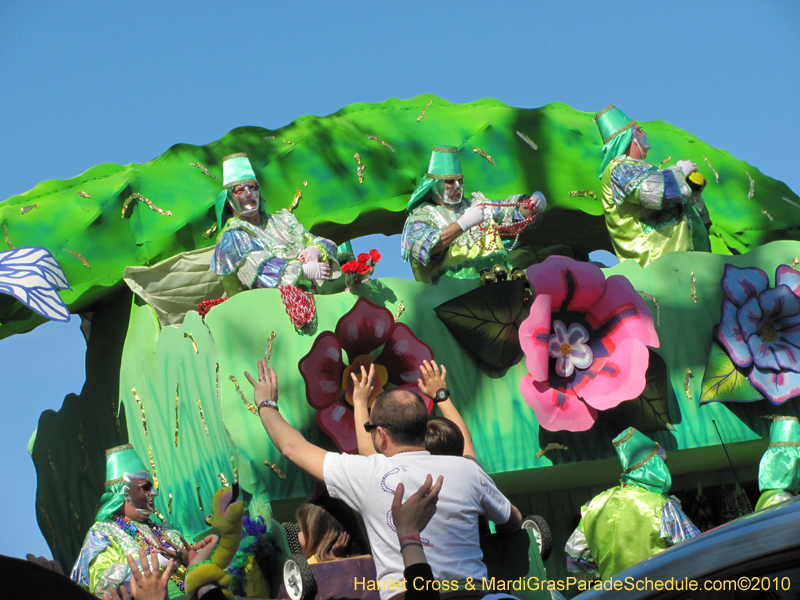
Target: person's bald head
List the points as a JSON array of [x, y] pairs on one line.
[[403, 414]]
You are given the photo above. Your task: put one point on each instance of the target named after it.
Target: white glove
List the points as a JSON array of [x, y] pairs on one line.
[[538, 202], [474, 215], [316, 270], [687, 167], [310, 254]]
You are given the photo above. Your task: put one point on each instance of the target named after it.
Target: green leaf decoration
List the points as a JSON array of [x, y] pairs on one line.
[[486, 320], [650, 411], [724, 381]]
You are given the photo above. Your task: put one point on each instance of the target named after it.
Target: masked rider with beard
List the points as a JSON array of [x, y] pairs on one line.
[[649, 212], [449, 234], [122, 526], [258, 250]]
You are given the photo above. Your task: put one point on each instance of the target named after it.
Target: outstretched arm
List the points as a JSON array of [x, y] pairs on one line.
[[435, 377], [362, 390], [286, 438]]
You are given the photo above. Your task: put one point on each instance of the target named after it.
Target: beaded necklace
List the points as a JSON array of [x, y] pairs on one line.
[[514, 229], [125, 525]]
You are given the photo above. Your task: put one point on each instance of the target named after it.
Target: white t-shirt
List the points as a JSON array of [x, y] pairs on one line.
[[452, 545]]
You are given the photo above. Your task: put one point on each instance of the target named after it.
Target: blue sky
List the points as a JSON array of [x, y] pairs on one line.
[[91, 82]]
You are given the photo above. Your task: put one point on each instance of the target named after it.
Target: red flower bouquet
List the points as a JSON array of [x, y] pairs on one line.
[[358, 271]]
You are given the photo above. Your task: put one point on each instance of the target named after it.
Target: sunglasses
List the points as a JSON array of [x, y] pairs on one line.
[[146, 486], [371, 426]]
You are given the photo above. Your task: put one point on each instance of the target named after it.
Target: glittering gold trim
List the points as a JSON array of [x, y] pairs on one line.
[[194, 344], [527, 140], [422, 114], [551, 446], [288, 142], [361, 167], [210, 231], [235, 470], [766, 214], [298, 195], [169, 504], [8, 241], [82, 442], [75, 515], [177, 405], [247, 402], [217, 380], [786, 419], [141, 407], [152, 465], [619, 131], [268, 137], [202, 416], [686, 381], [658, 306], [692, 282], [115, 412], [627, 436], [159, 515], [113, 481], [80, 257], [752, 186], [400, 308], [236, 155], [224, 480], [484, 155], [795, 261], [784, 445], [275, 469], [52, 464], [446, 149], [716, 175], [639, 464], [140, 198], [445, 177], [602, 112], [27, 209], [372, 137], [268, 351], [583, 194], [203, 170], [665, 161], [239, 182], [49, 524], [116, 449], [83, 194], [199, 499]]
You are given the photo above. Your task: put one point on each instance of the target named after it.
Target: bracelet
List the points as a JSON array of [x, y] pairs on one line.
[[269, 404], [413, 536], [410, 543]]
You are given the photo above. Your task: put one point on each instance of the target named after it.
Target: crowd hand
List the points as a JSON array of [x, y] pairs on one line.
[[362, 387], [147, 584], [179, 555], [46, 563], [687, 166], [435, 377], [202, 549], [310, 254], [538, 202], [266, 388], [474, 215], [316, 270], [413, 515]]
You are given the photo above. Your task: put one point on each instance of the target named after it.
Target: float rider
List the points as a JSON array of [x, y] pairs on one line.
[[122, 526], [779, 470], [632, 521], [445, 234], [258, 250], [649, 212]]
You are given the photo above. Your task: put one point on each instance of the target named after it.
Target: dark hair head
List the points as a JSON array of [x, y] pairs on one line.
[[443, 437], [331, 530], [404, 414]]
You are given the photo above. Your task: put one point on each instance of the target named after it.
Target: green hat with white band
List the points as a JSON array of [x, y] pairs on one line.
[[444, 165], [236, 170], [119, 461], [616, 129]]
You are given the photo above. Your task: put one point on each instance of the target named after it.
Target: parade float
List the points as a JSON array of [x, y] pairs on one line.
[[696, 349]]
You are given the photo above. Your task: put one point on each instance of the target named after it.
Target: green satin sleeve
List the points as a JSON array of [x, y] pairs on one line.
[[771, 498], [623, 527], [110, 563]]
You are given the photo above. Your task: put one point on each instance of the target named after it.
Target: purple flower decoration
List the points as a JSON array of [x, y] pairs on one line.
[[760, 328], [569, 348]]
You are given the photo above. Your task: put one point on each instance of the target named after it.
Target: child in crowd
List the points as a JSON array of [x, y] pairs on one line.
[[329, 530]]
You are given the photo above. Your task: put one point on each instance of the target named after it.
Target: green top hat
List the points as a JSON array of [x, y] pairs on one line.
[[616, 130], [780, 466], [444, 165], [119, 460], [641, 462], [236, 170]]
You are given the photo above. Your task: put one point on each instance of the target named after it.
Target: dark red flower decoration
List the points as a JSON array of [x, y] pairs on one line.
[[350, 267], [375, 255], [367, 334], [363, 257]]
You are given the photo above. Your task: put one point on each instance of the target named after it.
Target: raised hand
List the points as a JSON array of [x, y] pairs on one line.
[[413, 515], [435, 378], [316, 270], [474, 215], [147, 584], [363, 386], [202, 549], [310, 254], [266, 388]]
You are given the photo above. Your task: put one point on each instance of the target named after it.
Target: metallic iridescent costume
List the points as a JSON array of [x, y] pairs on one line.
[[649, 212], [102, 561], [473, 250], [628, 523], [779, 470]]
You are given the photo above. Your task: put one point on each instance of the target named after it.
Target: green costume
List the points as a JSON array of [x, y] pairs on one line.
[[779, 470], [649, 212], [475, 249], [102, 562], [626, 524]]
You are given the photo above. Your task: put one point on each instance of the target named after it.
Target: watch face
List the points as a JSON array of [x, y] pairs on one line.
[[442, 395]]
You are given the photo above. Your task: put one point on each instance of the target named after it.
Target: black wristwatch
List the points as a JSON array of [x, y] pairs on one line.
[[441, 395]]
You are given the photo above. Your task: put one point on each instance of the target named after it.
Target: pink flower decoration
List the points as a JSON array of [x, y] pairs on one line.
[[607, 368], [360, 333]]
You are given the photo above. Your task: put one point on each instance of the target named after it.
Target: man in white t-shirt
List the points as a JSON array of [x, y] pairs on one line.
[[367, 483]]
